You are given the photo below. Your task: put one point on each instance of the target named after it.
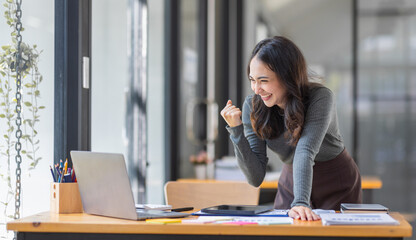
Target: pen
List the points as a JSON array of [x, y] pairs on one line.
[[182, 209], [61, 168], [58, 172], [53, 175]]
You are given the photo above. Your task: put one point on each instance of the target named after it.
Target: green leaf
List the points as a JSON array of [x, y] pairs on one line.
[[28, 104], [2, 116], [30, 157], [23, 151], [42, 107]]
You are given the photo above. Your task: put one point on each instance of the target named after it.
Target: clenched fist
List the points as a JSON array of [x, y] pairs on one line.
[[231, 114]]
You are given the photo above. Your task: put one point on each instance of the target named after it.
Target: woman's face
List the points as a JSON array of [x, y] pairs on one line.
[[264, 82]]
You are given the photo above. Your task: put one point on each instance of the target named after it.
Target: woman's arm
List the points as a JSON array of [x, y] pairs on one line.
[[249, 149], [317, 121]]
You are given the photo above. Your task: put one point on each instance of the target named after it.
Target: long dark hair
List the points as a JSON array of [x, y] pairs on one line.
[[284, 58]]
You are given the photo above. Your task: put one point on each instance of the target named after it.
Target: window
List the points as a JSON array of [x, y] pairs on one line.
[[38, 22]]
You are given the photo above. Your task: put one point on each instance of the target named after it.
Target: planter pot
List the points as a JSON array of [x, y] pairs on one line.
[[200, 171]]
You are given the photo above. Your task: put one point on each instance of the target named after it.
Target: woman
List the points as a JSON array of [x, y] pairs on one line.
[[296, 119]]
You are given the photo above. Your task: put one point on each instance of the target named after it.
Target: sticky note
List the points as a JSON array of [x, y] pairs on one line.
[[163, 221]]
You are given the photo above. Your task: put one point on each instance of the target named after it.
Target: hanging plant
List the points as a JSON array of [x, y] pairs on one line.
[[31, 79]]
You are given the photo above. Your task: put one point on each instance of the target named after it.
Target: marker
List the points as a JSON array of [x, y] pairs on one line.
[[53, 175]]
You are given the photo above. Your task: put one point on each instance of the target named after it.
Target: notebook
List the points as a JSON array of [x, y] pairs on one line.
[[357, 219], [363, 208], [105, 188]]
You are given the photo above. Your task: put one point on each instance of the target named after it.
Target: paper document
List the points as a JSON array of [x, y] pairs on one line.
[[357, 219], [240, 220], [265, 220]]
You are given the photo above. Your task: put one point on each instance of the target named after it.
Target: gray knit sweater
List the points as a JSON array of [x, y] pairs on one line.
[[320, 141]]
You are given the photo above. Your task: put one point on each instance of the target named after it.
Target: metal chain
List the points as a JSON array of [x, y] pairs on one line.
[[18, 145]]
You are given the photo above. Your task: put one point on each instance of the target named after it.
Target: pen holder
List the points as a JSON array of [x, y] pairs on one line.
[[65, 198]]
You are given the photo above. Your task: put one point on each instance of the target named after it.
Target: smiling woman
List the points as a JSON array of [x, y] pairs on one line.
[[296, 119], [266, 84]]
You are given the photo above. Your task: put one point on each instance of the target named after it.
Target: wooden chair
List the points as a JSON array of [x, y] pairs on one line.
[[206, 194]]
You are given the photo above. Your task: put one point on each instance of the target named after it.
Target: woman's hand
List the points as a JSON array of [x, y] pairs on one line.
[[303, 213], [231, 114]]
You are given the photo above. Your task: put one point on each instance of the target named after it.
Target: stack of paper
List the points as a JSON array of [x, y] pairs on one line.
[[357, 219]]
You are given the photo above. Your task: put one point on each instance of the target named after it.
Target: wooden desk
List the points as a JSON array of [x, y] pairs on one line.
[[268, 188], [84, 226]]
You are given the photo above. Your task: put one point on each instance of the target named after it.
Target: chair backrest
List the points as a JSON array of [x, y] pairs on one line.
[[206, 194]]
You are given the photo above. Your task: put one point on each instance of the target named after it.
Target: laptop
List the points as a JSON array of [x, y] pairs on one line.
[[105, 188]]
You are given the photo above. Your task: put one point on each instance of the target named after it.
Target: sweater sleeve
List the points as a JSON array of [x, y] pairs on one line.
[[249, 149], [317, 121]]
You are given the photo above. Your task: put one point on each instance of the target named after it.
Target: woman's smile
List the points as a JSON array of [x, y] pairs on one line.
[[266, 97]]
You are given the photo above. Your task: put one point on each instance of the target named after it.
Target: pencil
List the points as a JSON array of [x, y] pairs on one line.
[[66, 166], [53, 175]]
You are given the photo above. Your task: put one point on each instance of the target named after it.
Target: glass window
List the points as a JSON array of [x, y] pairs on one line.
[[110, 86], [386, 103], [38, 23]]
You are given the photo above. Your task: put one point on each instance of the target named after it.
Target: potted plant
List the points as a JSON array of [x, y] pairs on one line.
[[30, 109], [200, 162]]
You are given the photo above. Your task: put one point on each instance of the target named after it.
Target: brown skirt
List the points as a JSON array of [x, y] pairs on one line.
[[334, 182]]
